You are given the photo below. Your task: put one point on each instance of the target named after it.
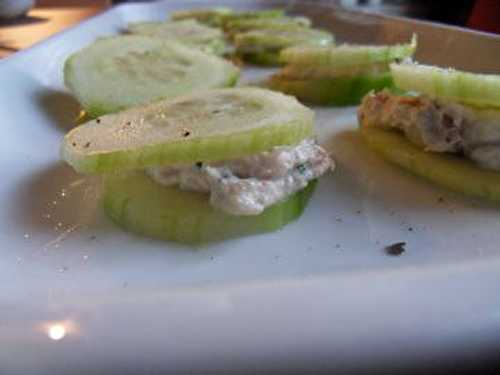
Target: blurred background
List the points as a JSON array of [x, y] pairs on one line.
[[25, 22]]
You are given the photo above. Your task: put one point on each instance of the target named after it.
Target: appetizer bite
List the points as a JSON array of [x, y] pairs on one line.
[[117, 72], [445, 128], [337, 75], [188, 32], [203, 167]]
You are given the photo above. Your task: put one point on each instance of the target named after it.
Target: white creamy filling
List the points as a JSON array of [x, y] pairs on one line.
[[248, 185]]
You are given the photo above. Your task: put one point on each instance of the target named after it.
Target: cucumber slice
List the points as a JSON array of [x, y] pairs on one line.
[[348, 55], [274, 39], [242, 25], [453, 172], [118, 72], [138, 204], [205, 126], [475, 89], [188, 32], [324, 71], [339, 91], [253, 15], [213, 17]]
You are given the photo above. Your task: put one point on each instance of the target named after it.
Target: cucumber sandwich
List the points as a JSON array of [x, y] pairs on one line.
[[337, 75], [446, 128], [117, 72], [205, 166], [189, 32]]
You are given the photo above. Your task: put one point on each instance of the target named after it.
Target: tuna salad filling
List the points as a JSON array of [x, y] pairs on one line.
[[248, 185], [437, 125]]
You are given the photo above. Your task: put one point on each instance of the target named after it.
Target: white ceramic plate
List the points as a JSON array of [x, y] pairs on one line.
[[78, 295]]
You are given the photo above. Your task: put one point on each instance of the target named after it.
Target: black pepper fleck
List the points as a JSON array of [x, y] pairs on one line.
[[74, 144], [410, 229], [396, 249], [199, 164], [186, 133], [87, 145], [98, 120], [301, 168]]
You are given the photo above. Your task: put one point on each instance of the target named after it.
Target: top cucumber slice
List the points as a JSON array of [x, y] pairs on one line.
[[189, 32], [118, 72], [347, 55], [241, 25], [213, 17], [276, 39], [475, 89], [205, 126]]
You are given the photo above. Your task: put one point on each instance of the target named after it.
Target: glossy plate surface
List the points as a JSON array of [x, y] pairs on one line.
[[78, 295]]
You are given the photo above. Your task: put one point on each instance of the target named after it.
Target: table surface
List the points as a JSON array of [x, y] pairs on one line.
[[47, 18], [52, 16]]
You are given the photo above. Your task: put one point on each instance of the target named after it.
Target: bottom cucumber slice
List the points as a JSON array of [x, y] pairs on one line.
[[337, 91], [140, 205], [453, 172], [264, 58]]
